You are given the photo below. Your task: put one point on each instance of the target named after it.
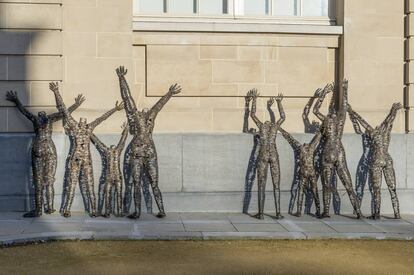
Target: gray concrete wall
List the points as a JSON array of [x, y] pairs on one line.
[[200, 172]]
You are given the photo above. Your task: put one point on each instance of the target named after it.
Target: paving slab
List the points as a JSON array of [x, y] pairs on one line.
[[259, 227], [311, 227], [209, 226], [355, 228]]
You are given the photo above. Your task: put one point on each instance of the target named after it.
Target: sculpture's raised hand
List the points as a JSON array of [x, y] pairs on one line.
[[270, 102], [253, 93], [175, 89], [54, 86], [11, 96], [279, 97], [121, 71], [124, 125], [345, 84], [397, 106], [80, 99], [119, 106]]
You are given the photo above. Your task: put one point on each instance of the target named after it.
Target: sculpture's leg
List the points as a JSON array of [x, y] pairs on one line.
[[345, 177], [336, 197], [327, 172], [70, 192], [145, 185], [129, 182], [88, 173], [136, 171], [314, 187], [108, 198], [50, 171], [275, 172], [37, 182], [118, 195], [152, 168], [262, 167], [301, 193], [375, 181], [389, 174], [361, 178]]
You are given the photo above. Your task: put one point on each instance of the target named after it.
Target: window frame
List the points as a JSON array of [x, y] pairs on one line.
[[235, 9]]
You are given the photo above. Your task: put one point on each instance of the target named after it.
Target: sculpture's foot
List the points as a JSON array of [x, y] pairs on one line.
[[32, 214], [317, 214], [279, 216], [374, 217], [397, 216], [106, 215], [66, 214], [160, 215], [359, 215], [297, 214], [92, 214], [50, 211], [134, 215], [325, 215], [259, 216]]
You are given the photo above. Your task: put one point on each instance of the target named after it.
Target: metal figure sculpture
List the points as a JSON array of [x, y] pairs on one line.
[[307, 173], [143, 152], [333, 154], [44, 157], [268, 155], [313, 128], [113, 176], [79, 158], [362, 170], [381, 161]]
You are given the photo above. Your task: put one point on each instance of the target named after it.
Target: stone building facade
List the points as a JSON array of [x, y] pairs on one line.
[[216, 59]]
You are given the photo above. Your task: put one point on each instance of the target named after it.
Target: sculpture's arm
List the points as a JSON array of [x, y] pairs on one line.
[[253, 111], [173, 90], [355, 123], [60, 105], [316, 139], [78, 102], [269, 109], [98, 143], [12, 97], [289, 138], [282, 118], [321, 94], [345, 105], [106, 115], [359, 119], [126, 96], [389, 120], [305, 114], [124, 135], [246, 116]]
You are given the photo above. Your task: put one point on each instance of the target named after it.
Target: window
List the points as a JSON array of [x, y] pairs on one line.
[[256, 7], [286, 7], [213, 7], [250, 8]]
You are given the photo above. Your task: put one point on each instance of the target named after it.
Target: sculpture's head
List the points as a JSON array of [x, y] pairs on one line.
[[82, 122], [267, 123], [145, 110], [42, 116], [306, 146], [112, 147]]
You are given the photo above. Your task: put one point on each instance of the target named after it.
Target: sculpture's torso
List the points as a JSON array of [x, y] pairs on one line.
[[267, 141], [81, 137], [332, 141], [142, 142], [43, 145], [379, 148], [306, 161], [113, 161]]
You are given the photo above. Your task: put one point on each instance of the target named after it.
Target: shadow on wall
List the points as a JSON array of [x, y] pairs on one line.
[[15, 168]]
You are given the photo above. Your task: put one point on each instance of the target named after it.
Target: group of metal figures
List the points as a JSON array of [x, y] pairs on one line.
[[323, 156], [140, 158]]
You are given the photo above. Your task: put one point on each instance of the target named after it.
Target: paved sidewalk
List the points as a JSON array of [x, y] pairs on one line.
[[199, 226]]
